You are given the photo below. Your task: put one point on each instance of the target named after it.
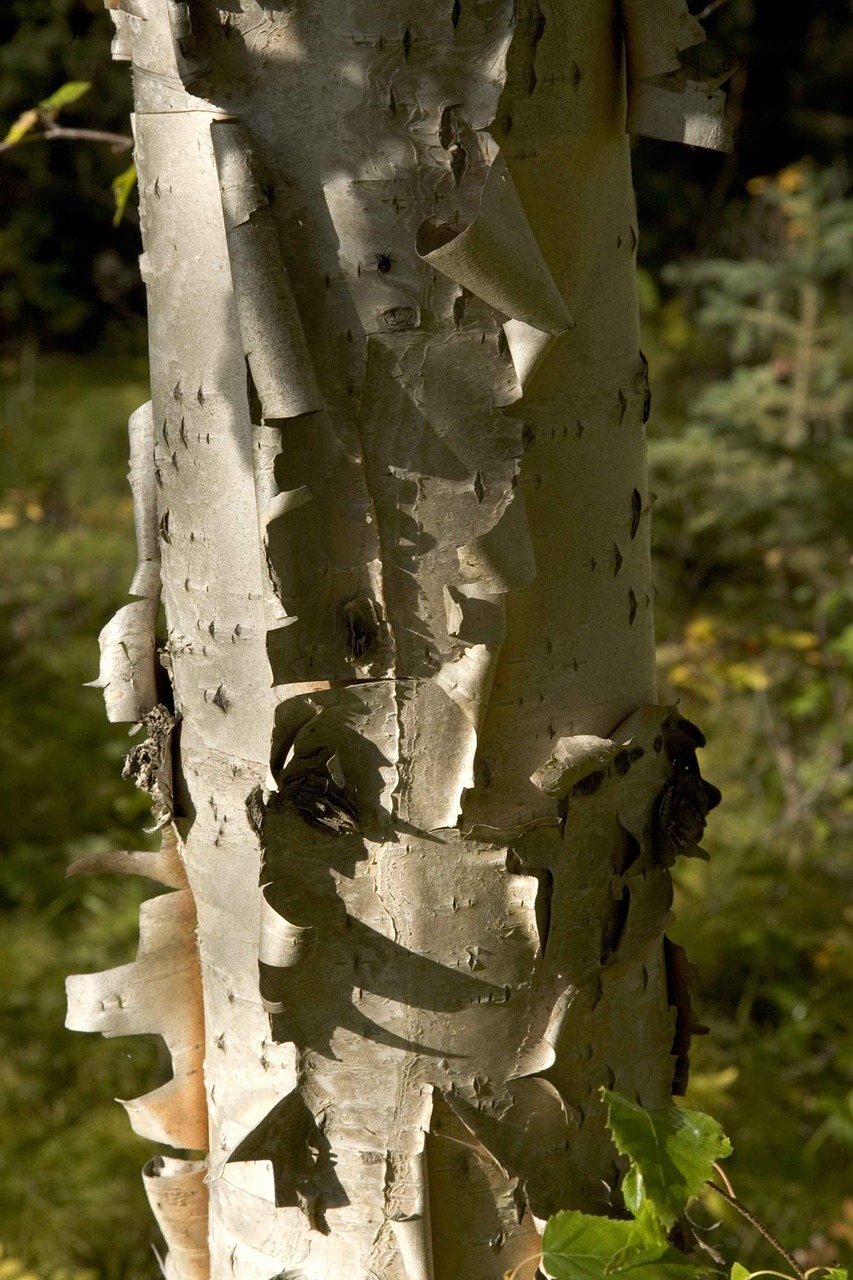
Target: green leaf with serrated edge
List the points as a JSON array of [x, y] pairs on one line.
[[672, 1151], [739, 1272], [835, 1273], [122, 187], [645, 1242], [21, 127], [579, 1246], [64, 96]]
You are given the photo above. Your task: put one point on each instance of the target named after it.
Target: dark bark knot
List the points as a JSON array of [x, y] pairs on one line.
[[362, 628], [319, 799], [687, 799], [396, 319]]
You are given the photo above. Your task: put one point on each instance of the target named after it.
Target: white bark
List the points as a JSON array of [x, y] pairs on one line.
[[426, 805]]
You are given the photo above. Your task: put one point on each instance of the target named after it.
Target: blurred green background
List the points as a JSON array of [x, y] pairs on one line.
[[746, 296]]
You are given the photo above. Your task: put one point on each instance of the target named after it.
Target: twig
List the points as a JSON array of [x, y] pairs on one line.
[[760, 1227], [118, 141], [711, 8]]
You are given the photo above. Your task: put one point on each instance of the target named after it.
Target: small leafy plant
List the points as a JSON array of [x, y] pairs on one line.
[[673, 1155]]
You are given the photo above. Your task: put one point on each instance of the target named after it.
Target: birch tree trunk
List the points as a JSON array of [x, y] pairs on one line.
[[402, 739]]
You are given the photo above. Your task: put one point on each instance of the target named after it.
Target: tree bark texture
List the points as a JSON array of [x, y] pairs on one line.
[[417, 798]]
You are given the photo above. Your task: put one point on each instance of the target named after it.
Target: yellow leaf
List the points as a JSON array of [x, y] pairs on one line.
[[681, 674], [790, 179], [757, 186], [784, 639], [699, 631], [21, 127], [708, 1090], [746, 675]]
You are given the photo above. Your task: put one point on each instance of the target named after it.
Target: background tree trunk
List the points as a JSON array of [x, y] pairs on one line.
[[394, 466]]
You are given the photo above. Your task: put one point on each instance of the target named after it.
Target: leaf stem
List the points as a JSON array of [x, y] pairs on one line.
[[760, 1227], [512, 1275], [721, 1173]]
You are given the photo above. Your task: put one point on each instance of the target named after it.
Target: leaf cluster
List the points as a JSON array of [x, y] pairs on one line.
[[671, 1154]]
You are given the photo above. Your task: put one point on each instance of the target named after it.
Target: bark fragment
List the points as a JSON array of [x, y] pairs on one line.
[[178, 1197], [270, 328], [666, 100], [128, 644], [158, 994]]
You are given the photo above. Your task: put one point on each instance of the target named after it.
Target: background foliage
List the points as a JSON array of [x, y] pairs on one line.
[[747, 326]]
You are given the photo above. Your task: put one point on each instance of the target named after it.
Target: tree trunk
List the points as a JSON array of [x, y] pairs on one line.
[[424, 803]]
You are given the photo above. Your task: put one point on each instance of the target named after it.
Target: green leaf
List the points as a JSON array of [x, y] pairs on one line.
[[581, 1246], [645, 1243], [836, 1273], [122, 187], [64, 96], [739, 1272], [21, 127], [671, 1150]]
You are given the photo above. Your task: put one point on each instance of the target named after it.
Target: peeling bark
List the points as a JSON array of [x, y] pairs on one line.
[[394, 464]]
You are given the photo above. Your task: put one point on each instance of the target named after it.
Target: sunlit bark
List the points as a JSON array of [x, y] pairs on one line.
[[395, 466]]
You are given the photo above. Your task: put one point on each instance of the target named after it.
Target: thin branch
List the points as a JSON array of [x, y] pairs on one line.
[[711, 8], [760, 1227], [118, 141]]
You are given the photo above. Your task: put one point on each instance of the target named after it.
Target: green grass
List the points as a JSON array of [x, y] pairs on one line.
[[69, 1163]]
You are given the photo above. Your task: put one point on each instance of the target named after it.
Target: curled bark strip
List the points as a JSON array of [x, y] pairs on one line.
[[282, 944], [157, 36], [678, 109], [163, 865], [178, 1196], [324, 609], [158, 994], [270, 327], [665, 100], [128, 643], [656, 33], [128, 657], [496, 257]]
